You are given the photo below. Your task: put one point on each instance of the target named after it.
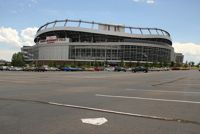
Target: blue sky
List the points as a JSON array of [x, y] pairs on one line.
[[179, 17]]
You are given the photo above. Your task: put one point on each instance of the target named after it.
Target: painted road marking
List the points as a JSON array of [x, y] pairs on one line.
[[95, 121], [103, 110], [151, 99], [162, 91]]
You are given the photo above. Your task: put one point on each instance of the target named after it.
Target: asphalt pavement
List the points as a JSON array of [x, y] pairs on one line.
[[165, 102]]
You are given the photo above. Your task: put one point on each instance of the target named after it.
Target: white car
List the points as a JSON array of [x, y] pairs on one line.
[[2, 68], [109, 69], [11, 68], [53, 69], [18, 68]]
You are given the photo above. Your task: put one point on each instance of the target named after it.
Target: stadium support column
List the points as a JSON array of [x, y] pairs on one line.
[[131, 30], [105, 54], [74, 54], [92, 39], [79, 37], [141, 31]]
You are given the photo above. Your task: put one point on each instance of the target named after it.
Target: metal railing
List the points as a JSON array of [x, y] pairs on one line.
[[78, 23]]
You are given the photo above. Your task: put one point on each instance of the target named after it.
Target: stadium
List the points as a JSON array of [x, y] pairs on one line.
[[64, 41]]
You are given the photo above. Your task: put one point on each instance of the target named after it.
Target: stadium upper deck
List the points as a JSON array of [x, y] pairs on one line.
[[94, 30]]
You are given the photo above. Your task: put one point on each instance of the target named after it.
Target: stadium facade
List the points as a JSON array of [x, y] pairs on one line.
[[80, 41]]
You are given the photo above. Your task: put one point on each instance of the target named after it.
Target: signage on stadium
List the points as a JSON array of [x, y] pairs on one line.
[[51, 39]]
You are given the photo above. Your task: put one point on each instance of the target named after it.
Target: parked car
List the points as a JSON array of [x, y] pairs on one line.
[[98, 68], [89, 69], [53, 69], [166, 69], [129, 69], [154, 69], [3, 68], [109, 69], [29, 69], [118, 69], [71, 69], [18, 68], [175, 68], [140, 69], [11, 68], [40, 69]]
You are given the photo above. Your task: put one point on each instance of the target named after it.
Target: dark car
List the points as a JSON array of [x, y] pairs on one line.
[[118, 69], [40, 69], [140, 69]]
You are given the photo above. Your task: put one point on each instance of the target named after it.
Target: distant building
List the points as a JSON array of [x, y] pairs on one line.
[[27, 52], [83, 41], [179, 58]]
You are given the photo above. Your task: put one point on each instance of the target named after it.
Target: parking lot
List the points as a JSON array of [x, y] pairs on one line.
[[165, 102]]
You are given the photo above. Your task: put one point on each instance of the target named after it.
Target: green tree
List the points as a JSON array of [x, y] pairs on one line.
[[146, 64], [198, 65], [18, 60], [172, 64], [165, 64], [122, 63], [191, 63], [6, 64], [160, 64], [138, 64], [155, 64]]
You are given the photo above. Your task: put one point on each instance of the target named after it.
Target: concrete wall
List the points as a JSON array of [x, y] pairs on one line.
[[60, 51], [54, 52]]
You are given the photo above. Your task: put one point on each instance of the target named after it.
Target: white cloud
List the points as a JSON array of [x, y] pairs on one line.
[[145, 1], [150, 1], [136, 0], [9, 36], [7, 54], [12, 39], [191, 51], [27, 36]]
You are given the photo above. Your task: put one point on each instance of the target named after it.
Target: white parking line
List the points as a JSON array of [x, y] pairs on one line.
[[151, 99], [162, 91], [95, 121], [103, 110]]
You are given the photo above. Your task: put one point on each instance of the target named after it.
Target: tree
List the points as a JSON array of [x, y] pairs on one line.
[[146, 64], [138, 64], [165, 64], [172, 64], [185, 65], [160, 64], [18, 60], [122, 63], [198, 65], [155, 64], [191, 63], [6, 64]]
